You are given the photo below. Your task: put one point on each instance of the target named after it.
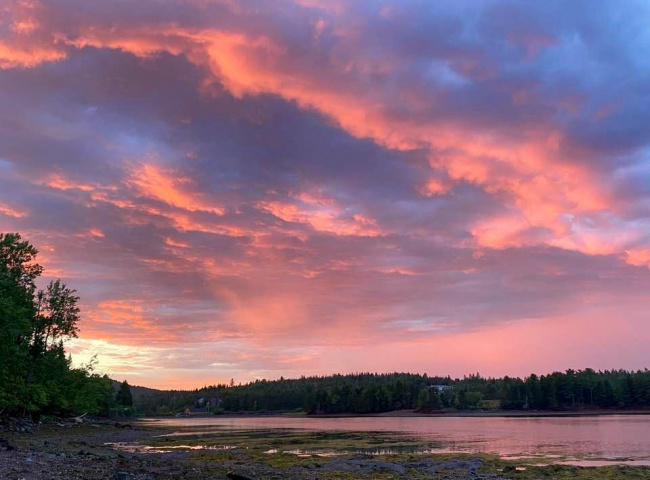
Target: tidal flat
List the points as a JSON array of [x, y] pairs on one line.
[[141, 451]]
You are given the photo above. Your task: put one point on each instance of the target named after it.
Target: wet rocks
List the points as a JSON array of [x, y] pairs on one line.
[[364, 464], [368, 465], [18, 425], [238, 476], [6, 446]]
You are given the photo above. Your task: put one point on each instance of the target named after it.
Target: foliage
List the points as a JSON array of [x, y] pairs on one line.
[[35, 374], [429, 399], [372, 393], [124, 397]]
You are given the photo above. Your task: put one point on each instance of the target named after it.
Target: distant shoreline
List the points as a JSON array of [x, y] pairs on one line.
[[415, 414], [495, 413]]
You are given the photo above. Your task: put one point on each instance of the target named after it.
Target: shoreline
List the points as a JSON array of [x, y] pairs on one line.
[[495, 414], [415, 414], [99, 449]]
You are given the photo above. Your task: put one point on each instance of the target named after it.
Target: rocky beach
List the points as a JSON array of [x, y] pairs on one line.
[[102, 449]]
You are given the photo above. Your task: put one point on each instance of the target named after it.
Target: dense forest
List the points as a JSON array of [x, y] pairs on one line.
[[36, 375], [373, 393]]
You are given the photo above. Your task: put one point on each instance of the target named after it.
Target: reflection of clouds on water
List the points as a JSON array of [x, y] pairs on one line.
[[139, 448], [581, 441]]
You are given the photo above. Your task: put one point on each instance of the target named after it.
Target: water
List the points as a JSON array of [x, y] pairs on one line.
[[592, 440]]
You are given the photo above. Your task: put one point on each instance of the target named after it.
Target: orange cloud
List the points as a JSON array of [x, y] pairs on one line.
[[322, 214], [435, 187], [27, 57], [529, 171], [92, 233], [639, 257], [60, 182], [502, 232], [11, 211], [130, 322], [170, 188]]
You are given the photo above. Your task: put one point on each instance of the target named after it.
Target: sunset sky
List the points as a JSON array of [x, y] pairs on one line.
[[250, 189]]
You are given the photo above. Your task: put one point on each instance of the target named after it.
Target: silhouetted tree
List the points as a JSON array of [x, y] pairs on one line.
[[35, 374], [124, 397]]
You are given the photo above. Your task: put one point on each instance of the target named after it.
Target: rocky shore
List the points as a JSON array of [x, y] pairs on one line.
[[101, 449], [64, 450]]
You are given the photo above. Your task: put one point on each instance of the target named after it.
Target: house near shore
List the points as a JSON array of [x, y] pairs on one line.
[[204, 405], [441, 388]]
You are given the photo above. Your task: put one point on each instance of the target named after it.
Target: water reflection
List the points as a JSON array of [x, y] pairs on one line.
[[412, 450], [139, 448], [616, 439]]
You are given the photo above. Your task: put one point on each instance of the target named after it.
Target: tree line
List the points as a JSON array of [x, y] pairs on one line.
[[36, 375], [374, 393]]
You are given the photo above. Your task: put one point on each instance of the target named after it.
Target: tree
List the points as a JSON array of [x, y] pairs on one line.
[[18, 272], [461, 400], [17, 261], [36, 375], [124, 397], [429, 398], [56, 317], [534, 392]]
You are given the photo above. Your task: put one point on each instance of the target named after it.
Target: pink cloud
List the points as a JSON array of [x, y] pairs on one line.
[[170, 188]]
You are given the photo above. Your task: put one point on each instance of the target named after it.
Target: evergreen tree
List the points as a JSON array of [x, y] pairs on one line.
[[124, 397]]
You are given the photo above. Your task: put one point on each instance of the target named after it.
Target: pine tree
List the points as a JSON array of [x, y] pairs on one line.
[[124, 397]]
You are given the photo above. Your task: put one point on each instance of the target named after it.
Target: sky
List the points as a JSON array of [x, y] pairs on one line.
[[255, 189]]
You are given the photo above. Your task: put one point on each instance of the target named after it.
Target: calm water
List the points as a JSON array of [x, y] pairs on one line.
[[580, 440]]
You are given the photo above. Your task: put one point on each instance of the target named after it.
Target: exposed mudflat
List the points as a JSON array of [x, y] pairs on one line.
[[103, 450]]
